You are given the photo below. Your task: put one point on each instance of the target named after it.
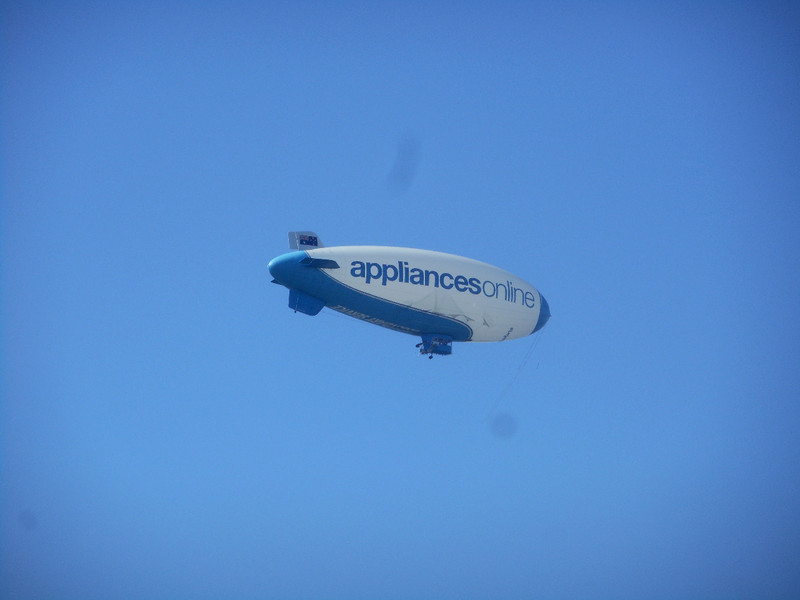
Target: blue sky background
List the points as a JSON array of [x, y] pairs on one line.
[[170, 429]]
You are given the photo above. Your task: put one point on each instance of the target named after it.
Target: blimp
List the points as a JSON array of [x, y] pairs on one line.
[[440, 298]]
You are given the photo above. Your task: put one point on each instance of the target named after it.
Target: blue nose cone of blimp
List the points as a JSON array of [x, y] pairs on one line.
[[284, 268], [544, 314]]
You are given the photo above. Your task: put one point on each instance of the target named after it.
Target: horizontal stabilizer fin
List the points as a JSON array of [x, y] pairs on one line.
[[319, 263], [304, 240], [302, 302]]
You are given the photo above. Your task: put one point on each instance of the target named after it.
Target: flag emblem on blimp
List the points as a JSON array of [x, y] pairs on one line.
[[441, 298]]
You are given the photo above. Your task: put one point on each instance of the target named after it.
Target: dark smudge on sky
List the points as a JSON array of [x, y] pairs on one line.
[[405, 164], [503, 426]]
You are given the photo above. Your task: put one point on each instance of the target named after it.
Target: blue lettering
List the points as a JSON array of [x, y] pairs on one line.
[[358, 268], [401, 273], [435, 278], [530, 300], [505, 291], [373, 274], [386, 269]]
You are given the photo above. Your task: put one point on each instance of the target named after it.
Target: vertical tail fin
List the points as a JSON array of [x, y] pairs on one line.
[[304, 240]]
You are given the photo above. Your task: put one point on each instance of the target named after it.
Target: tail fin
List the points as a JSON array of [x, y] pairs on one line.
[[304, 240], [305, 303]]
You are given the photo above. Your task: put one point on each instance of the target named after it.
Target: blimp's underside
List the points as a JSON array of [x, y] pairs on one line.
[[299, 272]]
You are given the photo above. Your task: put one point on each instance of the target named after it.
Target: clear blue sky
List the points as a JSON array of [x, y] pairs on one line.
[[170, 429]]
